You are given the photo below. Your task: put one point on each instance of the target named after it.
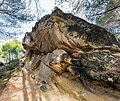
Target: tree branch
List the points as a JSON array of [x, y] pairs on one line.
[[106, 11], [2, 2], [7, 12]]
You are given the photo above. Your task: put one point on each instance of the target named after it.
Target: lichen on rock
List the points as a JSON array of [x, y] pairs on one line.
[[67, 49]]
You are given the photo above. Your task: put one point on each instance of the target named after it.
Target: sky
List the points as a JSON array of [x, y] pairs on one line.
[[47, 7]]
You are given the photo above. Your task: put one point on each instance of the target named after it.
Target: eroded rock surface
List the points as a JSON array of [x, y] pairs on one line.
[[70, 57]]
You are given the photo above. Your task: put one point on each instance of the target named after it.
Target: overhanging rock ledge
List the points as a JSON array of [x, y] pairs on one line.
[[72, 57]]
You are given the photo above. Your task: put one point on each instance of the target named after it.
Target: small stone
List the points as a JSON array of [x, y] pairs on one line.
[[43, 87], [110, 79]]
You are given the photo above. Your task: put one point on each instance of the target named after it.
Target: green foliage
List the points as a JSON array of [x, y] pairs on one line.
[[12, 50], [14, 63], [0, 52]]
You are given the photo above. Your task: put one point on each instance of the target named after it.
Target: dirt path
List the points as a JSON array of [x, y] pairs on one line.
[[20, 88], [23, 88]]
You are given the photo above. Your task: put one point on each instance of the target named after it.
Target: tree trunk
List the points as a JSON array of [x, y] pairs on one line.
[[9, 57]]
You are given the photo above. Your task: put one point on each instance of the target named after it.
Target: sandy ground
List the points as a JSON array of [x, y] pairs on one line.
[[23, 88], [20, 88]]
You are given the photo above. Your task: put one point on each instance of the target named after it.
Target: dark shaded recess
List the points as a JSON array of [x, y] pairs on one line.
[[95, 34], [1, 64], [77, 28], [113, 86], [98, 35], [80, 70]]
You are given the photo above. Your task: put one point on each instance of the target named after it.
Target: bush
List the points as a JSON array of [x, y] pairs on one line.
[[13, 63]]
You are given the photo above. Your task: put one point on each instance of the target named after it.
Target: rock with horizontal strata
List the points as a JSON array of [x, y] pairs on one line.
[[67, 49], [66, 31]]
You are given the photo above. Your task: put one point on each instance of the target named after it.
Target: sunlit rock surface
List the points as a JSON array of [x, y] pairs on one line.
[[70, 59]]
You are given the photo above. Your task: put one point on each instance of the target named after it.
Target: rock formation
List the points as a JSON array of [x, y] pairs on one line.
[[69, 57]]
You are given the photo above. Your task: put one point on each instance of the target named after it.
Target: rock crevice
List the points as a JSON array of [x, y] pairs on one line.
[[71, 56]]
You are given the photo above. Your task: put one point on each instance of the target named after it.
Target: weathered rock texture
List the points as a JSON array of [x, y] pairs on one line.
[[68, 56]]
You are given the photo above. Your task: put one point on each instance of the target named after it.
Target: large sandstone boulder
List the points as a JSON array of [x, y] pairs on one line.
[[68, 56], [66, 31]]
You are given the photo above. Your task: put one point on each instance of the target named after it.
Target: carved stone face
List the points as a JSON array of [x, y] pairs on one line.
[[60, 60]]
